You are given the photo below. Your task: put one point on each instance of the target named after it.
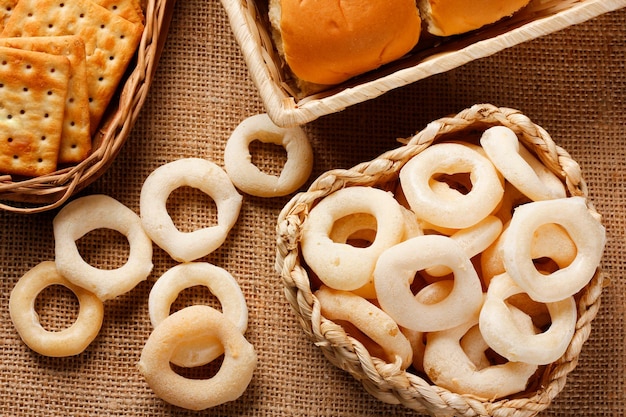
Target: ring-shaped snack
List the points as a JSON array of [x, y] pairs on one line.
[[519, 166], [189, 324], [587, 233], [473, 240], [339, 265], [93, 212], [221, 284], [197, 173], [449, 366], [369, 319], [396, 269], [505, 337], [449, 209], [67, 342], [248, 177]]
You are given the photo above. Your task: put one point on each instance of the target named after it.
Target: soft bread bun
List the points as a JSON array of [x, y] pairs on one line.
[[452, 17], [327, 42]]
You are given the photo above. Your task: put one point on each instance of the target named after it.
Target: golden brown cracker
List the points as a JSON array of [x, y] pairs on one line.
[[33, 89], [128, 9], [76, 137], [110, 41], [6, 7]]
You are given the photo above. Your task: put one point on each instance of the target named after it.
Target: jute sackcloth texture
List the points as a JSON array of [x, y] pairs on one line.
[[571, 83]]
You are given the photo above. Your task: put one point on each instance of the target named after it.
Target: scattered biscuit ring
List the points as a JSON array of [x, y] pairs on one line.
[[505, 337], [369, 319], [67, 342], [230, 382], [519, 166], [197, 173], [583, 228], [448, 366], [89, 213], [342, 266], [449, 209], [221, 284], [248, 177], [395, 271]]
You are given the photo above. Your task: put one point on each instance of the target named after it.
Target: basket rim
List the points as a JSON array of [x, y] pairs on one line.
[[286, 111], [47, 192], [383, 380]]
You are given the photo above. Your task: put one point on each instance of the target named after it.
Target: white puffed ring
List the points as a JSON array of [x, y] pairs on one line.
[[230, 382], [473, 240], [89, 213], [583, 228], [369, 319], [449, 209], [449, 366], [248, 177], [339, 265], [396, 269], [197, 173], [221, 284], [505, 337], [519, 166], [67, 342]]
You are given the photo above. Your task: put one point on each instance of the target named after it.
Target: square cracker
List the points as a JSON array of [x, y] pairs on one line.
[[76, 135], [110, 41], [6, 7], [33, 89], [128, 9]]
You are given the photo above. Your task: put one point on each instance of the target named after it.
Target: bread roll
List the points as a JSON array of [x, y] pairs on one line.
[[327, 42], [452, 17]]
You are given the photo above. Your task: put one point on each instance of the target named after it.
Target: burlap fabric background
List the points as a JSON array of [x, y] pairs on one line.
[[572, 83]]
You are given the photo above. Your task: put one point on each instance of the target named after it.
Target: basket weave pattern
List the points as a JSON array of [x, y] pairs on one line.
[[386, 381], [50, 191]]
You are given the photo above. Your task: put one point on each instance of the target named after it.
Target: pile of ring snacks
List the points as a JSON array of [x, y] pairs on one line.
[[455, 275], [190, 337]]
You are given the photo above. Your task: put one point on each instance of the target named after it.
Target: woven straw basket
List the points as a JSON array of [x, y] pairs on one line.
[[50, 191], [386, 381], [287, 106]]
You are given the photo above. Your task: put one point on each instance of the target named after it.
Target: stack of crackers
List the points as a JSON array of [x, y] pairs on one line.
[[60, 64]]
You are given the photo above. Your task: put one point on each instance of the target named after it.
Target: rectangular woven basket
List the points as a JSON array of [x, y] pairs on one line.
[[50, 191], [286, 107]]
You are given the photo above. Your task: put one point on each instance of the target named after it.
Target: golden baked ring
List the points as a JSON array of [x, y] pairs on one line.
[[221, 284], [248, 177], [67, 342], [505, 337], [185, 325], [339, 265], [197, 173], [587, 233], [369, 319], [449, 209], [89, 213], [396, 269]]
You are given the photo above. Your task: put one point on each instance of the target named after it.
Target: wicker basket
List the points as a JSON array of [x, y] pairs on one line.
[[287, 106], [386, 381], [50, 191]]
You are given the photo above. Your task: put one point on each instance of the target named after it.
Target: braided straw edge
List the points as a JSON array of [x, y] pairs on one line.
[[388, 382], [47, 192]]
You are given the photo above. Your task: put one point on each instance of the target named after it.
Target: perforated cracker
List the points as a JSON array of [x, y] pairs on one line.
[[6, 7], [76, 137], [128, 9], [33, 89], [110, 41]]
